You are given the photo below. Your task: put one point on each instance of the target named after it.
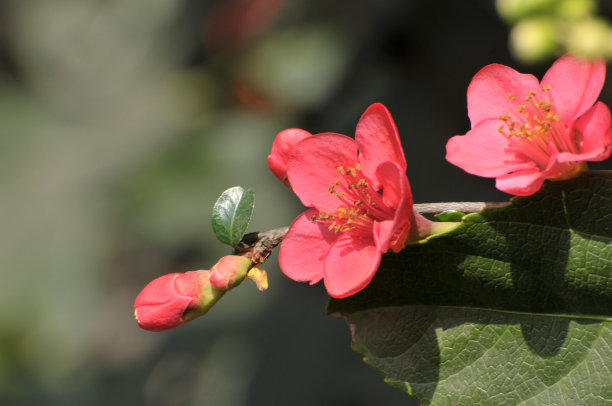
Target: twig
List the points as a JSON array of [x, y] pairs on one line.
[[259, 245], [465, 207]]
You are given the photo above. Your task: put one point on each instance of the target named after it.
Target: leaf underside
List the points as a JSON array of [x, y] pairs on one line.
[[232, 214], [513, 307]]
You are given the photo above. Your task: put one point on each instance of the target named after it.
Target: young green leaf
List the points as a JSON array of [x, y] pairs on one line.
[[512, 307], [450, 215], [231, 214]]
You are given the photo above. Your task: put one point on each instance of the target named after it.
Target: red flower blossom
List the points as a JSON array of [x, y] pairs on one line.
[[171, 300], [524, 132], [360, 199]]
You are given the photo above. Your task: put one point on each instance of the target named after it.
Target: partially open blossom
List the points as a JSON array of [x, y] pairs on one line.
[[229, 271], [524, 131], [171, 300], [360, 199]]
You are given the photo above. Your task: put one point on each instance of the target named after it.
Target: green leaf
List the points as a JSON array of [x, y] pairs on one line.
[[450, 215], [512, 307], [232, 214]]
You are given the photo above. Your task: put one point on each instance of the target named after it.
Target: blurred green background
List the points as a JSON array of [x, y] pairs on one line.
[[121, 121]]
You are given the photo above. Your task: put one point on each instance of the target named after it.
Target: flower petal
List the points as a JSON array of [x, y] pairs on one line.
[[159, 291], [161, 304], [396, 194], [574, 85], [394, 184], [489, 93], [483, 151], [521, 183], [596, 132], [378, 140], [282, 149], [304, 248], [313, 168], [350, 265]]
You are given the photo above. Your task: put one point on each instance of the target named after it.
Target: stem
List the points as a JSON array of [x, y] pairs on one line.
[[465, 207], [259, 245]]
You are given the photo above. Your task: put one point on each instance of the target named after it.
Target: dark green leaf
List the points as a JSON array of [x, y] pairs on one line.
[[232, 213], [512, 307], [462, 356]]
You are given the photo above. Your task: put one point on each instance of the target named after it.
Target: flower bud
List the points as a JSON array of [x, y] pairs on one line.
[[590, 38], [534, 39], [174, 299], [515, 10], [229, 271]]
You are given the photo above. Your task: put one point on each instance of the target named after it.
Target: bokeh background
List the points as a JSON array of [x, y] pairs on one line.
[[121, 121]]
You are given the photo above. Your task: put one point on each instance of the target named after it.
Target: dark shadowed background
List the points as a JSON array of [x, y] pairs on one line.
[[120, 124]]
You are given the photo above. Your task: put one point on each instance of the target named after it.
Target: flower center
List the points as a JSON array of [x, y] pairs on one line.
[[360, 205], [535, 129]]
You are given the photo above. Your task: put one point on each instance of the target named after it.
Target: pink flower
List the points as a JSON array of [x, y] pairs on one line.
[[171, 300], [360, 199], [524, 132]]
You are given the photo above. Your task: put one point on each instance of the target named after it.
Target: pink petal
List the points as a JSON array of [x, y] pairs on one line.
[[304, 248], [596, 144], [378, 140], [313, 168], [488, 94], [483, 151], [394, 184], [574, 85], [161, 304], [350, 265], [159, 291], [521, 183], [282, 149], [396, 194], [383, 232]]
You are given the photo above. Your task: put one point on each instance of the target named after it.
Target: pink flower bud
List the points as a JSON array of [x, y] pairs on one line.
[[171, 300], [229, 271]]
